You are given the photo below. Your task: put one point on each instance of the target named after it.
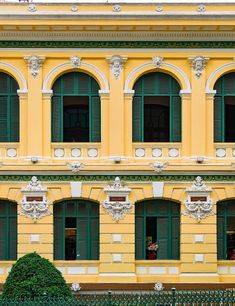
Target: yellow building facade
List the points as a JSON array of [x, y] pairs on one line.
[[117, 146]]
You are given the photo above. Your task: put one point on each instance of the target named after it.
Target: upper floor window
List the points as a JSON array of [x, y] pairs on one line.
[[9, 109], [75, 109], [8, 230], [224, 109], [157, 230], [156, 109]]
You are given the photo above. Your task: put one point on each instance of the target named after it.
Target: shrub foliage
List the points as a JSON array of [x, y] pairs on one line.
[[34, 276]]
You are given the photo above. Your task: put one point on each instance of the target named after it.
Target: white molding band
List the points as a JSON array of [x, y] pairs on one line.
[[144, 68], [54, 73], [15, 72]]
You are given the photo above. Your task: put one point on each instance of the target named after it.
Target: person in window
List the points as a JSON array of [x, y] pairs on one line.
[[152, 250], [232, 257]]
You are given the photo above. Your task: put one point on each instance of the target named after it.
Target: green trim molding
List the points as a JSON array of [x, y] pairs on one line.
[[119, 44], [133, 178]]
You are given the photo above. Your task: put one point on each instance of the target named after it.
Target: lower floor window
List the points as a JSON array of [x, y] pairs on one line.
[[157, 230], [76, 230], [226, 230]]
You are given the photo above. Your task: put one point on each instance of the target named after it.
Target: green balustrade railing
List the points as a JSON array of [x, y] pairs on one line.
[[157, 298]]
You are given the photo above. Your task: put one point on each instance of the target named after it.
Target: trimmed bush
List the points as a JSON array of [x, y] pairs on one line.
[[34, 276]]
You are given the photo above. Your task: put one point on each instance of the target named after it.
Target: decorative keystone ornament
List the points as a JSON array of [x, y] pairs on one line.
[[198, 63], [116, 63], [158, 166], [198, 203], [34, 63], [117, 202], [117, 8], [157, 61], [201, 8], [76, 166], [158, 286], [75, 61], [34, 203]]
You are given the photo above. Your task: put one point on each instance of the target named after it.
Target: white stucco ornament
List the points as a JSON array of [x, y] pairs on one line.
[[34, 204], [116, 63], [76, 287], [75, 61], [158, 166], [76, 166], [34, 63], [198, 63], [198, 203], [157, 61], [117, 202], [158, 286]]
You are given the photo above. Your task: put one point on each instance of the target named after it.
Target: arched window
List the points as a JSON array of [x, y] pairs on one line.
[[225, 229], [75, 109], [9, 109], [224, 109], [8, 230], [76, 230], [156, 109], [157, 222]]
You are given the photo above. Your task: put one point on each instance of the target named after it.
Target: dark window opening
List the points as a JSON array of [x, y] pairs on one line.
[[70, 238], [229, 119], [230, 233], [156, 119], [76, 119], [151, 238]]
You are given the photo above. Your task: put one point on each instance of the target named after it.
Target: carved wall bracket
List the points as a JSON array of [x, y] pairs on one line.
[[117, 202], [34, 204], [116, 63], [34, 63], [198, 204], [198, 63]]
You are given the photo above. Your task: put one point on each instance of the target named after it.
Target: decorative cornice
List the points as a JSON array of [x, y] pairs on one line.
[[118, 44], [107, 36]]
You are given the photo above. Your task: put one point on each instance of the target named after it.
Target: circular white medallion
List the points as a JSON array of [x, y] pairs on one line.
[[92, 152], [11, 152], [140, 152], [220, 152], [173, 152], [157, 152], [76, 152], [59, 152]]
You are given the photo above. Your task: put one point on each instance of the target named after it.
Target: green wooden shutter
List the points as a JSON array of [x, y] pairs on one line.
[[14, 128], [218, 119], [137, 121], [221, 237], [94, 234], [57, 119], [2, 237], [59, 229], [139, 238], [175, 119], [175, 242], [162, 238], [12, 237], [3, 119], [95, 120], [83, 239]]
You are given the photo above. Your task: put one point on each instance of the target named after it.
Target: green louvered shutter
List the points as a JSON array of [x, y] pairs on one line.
[[13, 236], [95, 120], [175, 242], [4, 137], [59, 229], [82, 238], [94, 239], [137, 122], [2, 237], [175, 120], [221, 238], [139, 238], [57, 119], [162, 238], [14, 129], [218, 119]]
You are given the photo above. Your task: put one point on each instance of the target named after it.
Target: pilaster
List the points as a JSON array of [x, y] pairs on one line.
[[127, 122], [104, 101], [46, 117], [23, 97], [186, 120]]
